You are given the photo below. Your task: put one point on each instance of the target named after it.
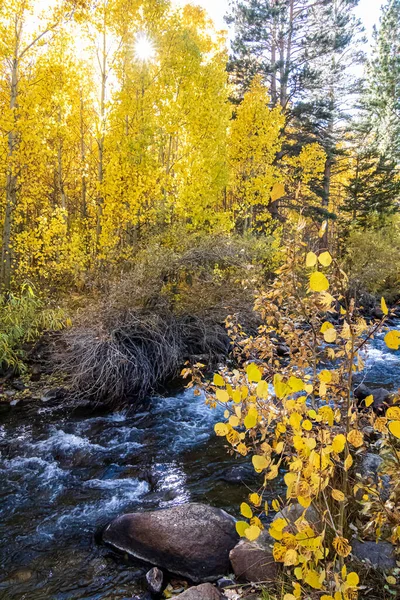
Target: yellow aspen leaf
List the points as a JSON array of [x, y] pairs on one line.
[[295, 420], [325, 326], [281, 389], [393, 413], [237, 397], [307, 425], [310, 443], [244, 390], [275, 505], [295, 384], [348, 462], [256, 521], [327, 597], [262, 389], [242, 449], [342, 546], [344, 572], [338, 495], [322, 390], [226, 414], [234, 421], [273, 472], [352, 579], [255, 499], [391, 580], [277, 191], [394, 428], [241, 527], [279, 524], [289, 596], [222, 395], [325, 259], [252, 533], [323, 229], [246, 510], [291, 559], [309, 388], [279, 448], [369, 400], [253, 373], [338, 596], [312, 579], [260, 463], [325, 376], [303, 501], [279, 552], [318, 282], [233, 437], [298, 572], [311, 259], [250, 420], [392, 339], [339, 443], [355, 438], [297, 590], [384, 306], [218, 380], [289, 479], [221, 429], [330, 336]]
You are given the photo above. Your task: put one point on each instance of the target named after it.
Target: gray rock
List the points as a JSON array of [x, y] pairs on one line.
[[225, 582], [369, 468], [293, 512], [382, 397], [155, 580], [253, 562], [379, 554], [205, 591], [192, 540], [369, 465]]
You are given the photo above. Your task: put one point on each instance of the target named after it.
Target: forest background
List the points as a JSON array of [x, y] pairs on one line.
[[133, 139]]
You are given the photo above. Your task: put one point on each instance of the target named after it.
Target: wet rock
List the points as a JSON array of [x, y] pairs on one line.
[[253, 562], [369, 465], [54, 394], [382, 397], [155, 580], [205, 591], [192, 540], [225, 582], [21, 576], [369, 468], [379, 554], [237, 474], [293, 512], [282, 350], [18, 385]]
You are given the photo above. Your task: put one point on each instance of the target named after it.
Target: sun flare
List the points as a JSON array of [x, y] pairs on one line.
[[144, 48]]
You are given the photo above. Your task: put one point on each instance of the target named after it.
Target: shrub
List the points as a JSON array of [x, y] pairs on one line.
[[169, 308], [298, 416], [373, 261], [23, 318]]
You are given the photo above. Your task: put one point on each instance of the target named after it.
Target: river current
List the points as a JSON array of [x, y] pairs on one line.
[[63, 476]]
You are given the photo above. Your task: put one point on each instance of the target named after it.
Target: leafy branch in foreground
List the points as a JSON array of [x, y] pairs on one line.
[[298, 417]]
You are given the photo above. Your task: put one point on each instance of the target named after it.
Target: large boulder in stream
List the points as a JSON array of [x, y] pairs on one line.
[[192, 540]]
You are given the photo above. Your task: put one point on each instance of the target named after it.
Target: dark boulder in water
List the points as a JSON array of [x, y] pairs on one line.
[[382, 397], [192, 540]]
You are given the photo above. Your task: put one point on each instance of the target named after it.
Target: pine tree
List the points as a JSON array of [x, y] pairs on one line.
[[383, 84]]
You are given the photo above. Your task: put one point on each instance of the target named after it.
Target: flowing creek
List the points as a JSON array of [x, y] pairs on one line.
[[63, 476]]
